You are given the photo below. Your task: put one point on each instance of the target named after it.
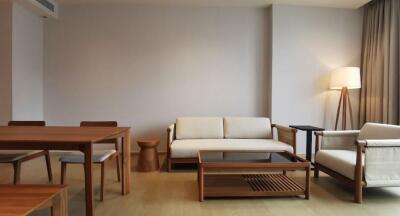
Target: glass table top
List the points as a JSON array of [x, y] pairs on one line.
[[248, 157]]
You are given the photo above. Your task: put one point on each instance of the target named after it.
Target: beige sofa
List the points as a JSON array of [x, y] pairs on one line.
[[366, 158], [191, 134]]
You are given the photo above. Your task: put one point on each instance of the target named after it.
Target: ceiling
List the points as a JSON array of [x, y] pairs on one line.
[[353, 4]]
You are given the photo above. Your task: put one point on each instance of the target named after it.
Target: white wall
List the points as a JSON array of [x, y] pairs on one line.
[[27, 64], [5, 61], [145, 66], [308, 43]]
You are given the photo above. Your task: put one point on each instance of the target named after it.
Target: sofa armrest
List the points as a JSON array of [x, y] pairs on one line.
[[336, 139], [286, 135], [171, 133], [170, 137]]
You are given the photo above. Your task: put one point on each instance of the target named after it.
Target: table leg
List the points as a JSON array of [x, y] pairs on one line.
[[89, 178], [307, 189], [201, 183], [309, 145], [60, 204], [126, 163]]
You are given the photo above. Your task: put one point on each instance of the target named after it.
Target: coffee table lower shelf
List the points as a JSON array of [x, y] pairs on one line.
[[250, 185]]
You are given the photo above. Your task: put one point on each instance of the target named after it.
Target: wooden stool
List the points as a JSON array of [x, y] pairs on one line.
[[148, 156]]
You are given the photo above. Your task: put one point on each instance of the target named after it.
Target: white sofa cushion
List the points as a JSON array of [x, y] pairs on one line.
[[199, 128], [341, 161], [379, 131], [247, 128], [190, 147]]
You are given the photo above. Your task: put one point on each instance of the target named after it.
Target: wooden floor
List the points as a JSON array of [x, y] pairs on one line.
[[175, 194]]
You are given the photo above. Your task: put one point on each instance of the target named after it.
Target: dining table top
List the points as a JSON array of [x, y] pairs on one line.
[[58, 133]]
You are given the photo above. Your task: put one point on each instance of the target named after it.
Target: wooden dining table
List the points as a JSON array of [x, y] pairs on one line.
[[71, 138]]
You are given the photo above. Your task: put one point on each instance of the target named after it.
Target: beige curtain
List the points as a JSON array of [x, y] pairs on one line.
[[380, 91]]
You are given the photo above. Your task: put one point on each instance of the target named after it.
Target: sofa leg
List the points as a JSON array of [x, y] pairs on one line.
[[169, 164], [316, 172]]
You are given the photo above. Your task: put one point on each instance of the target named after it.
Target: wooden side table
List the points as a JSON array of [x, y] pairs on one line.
[[148, 156]]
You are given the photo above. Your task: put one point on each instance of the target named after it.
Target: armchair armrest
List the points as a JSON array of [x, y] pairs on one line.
[[286, 135], [336, 139], [379, 143], [381, 163]]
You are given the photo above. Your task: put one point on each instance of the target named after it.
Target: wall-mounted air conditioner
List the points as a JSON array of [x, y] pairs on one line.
[[46, 8]]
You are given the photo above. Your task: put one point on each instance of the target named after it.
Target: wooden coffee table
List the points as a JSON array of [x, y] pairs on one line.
[[250, 174]]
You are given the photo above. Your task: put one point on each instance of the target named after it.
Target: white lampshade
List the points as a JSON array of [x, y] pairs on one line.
[[346, 77]]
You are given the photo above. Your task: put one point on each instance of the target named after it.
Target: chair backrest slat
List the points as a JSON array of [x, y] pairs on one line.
[[26, 123], [99, 124]]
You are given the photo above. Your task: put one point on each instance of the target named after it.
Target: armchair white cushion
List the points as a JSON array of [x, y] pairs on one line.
[[341, 161], [379, 131]]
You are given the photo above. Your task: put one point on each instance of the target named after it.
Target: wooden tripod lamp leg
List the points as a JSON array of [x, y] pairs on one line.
[[338, 109], [344, 110], [343, 101], [351, 113]]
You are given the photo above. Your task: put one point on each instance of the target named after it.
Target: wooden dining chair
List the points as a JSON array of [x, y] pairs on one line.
[[17, 157], [100, 156]]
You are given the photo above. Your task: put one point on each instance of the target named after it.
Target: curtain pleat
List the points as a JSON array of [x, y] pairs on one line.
[[380, 89]]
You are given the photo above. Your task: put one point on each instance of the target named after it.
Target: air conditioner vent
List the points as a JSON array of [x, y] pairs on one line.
[[47, 4], [45, 8]]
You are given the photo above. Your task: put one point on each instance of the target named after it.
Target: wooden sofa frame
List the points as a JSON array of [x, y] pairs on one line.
[[358, 183], [285, 134]]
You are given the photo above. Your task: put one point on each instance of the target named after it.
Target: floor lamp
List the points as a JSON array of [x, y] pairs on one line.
[[344, 79]]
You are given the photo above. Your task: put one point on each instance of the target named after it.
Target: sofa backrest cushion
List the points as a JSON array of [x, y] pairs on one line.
[[379, 131], [247, 128], [199, 128]]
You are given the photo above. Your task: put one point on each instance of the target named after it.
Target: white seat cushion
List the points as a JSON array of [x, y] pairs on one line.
[[341, 161], [78, 157], [247, 128], [199, 128], [189, 148], [379, 131], [14, 155]]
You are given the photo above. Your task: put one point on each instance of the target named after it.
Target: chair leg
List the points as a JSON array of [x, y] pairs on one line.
[[102, 182], [358, 193], [48, 164], [118, 168], [17, 172], [63, 171]]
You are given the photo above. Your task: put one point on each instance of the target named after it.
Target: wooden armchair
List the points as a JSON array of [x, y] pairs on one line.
[[360, 159], [17, 157]]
